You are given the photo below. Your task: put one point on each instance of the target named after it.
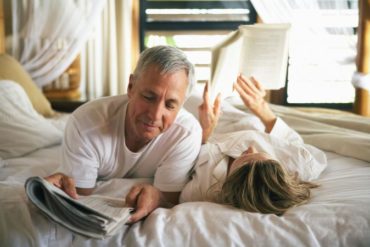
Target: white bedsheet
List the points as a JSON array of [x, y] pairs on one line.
[[337, 215]]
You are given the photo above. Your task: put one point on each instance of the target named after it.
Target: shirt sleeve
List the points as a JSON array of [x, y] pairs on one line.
[[283, 131], [173, 173], [78, 158], [193, 190]]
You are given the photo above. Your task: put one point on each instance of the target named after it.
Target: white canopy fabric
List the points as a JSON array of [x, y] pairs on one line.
[[46, 35]]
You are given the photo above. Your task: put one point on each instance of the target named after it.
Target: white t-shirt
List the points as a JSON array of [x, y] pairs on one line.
[[283, 143], [94, 147]]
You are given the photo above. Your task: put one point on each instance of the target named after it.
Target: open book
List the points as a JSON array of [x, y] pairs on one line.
[[93, 216], [259, 50]]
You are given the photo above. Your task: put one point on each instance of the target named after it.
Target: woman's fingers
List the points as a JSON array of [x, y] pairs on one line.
[[206, 94], [217, 105], [251, 86], [243, 84], [248, 84], [244, 95], [259, 86]]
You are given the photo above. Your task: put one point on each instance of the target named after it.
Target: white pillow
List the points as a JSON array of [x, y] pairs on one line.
[[22, 129]]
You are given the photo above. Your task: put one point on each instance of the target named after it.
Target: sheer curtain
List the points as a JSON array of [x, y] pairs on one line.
[[47, 35], [106, 57], [322, 47]]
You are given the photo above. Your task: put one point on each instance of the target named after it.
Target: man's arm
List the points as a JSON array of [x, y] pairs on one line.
[[145, 198]]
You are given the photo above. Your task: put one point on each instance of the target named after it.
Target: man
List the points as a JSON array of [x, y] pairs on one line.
[[145, 133]]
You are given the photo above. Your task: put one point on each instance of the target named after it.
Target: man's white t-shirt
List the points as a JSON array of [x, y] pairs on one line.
[[283, 143], [94, 147]]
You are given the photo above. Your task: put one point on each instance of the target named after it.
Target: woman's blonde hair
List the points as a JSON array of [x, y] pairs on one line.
[[264, 186]]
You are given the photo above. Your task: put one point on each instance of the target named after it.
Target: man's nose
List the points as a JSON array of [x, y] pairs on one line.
[[156, 111]]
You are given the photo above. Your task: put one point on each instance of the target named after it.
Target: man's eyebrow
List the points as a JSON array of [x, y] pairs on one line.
[[149, 91], [153, 93]]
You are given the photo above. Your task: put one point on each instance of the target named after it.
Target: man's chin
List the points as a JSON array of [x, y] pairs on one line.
[[150, 135]]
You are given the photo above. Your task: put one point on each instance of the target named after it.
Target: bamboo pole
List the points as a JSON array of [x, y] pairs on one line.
[[362, 99], [2, 28], [135, 33]]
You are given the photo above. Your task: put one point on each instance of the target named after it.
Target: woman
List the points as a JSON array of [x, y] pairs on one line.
[[258, 171]]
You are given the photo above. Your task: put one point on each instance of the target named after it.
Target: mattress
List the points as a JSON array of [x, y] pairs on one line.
[[338, 214]]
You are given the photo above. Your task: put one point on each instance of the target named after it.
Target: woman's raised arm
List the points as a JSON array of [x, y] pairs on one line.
[[252, 93]]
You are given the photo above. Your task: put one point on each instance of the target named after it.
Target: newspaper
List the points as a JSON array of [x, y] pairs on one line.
[[93, 216]]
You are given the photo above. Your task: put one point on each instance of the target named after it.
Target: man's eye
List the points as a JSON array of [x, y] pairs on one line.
[[149, 98], [171, 106]]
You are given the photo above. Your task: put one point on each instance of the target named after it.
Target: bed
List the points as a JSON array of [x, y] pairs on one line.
[[337, 215]]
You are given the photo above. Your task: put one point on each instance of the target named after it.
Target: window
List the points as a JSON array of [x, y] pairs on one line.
[[322, 57], [193, 26]]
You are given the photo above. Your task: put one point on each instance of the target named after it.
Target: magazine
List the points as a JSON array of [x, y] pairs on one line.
[[259, 50], [93, 216]]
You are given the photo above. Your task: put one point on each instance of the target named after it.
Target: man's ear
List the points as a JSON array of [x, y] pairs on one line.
[[130, 85]]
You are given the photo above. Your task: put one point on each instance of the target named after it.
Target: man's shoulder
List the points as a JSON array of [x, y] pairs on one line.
[[102, 104], [100, 110], [185, 127], [187, 121]]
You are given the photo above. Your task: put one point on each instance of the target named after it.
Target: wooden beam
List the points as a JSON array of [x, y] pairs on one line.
[[135, 33], [2, 28], [362, 100]]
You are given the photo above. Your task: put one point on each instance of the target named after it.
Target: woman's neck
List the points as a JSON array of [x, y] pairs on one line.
[[231, 160]]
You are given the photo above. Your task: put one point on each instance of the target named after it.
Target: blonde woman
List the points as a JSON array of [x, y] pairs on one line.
[[266, 171]]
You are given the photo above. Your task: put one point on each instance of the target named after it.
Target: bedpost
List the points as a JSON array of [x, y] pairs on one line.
[[2, 28], [362, 100]]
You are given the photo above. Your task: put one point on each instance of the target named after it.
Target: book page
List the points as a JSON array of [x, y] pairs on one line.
[[265, 54], [226, 70], [259, 50]]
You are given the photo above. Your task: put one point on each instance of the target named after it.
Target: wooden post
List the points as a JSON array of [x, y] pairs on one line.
[[135, 33], [2, 28], [362, 100]]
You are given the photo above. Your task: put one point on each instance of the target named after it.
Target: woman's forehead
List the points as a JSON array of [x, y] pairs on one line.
[[254, 157]]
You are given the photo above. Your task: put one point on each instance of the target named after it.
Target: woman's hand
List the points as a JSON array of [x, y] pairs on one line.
[[208, 114], [252, 93]]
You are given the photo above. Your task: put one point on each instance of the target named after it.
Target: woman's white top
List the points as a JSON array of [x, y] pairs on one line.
[[283, 143]]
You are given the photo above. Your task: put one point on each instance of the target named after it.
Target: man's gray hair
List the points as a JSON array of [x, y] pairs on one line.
[[168, 59]]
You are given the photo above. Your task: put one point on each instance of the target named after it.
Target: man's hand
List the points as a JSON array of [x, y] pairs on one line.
[[208, 114], [145, 198], [64, 183]]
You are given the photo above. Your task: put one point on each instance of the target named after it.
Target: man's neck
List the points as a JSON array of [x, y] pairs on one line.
[[134, 146], [131, 142]]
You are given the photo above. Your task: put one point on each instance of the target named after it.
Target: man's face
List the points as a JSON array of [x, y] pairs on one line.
[[154, 101]]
